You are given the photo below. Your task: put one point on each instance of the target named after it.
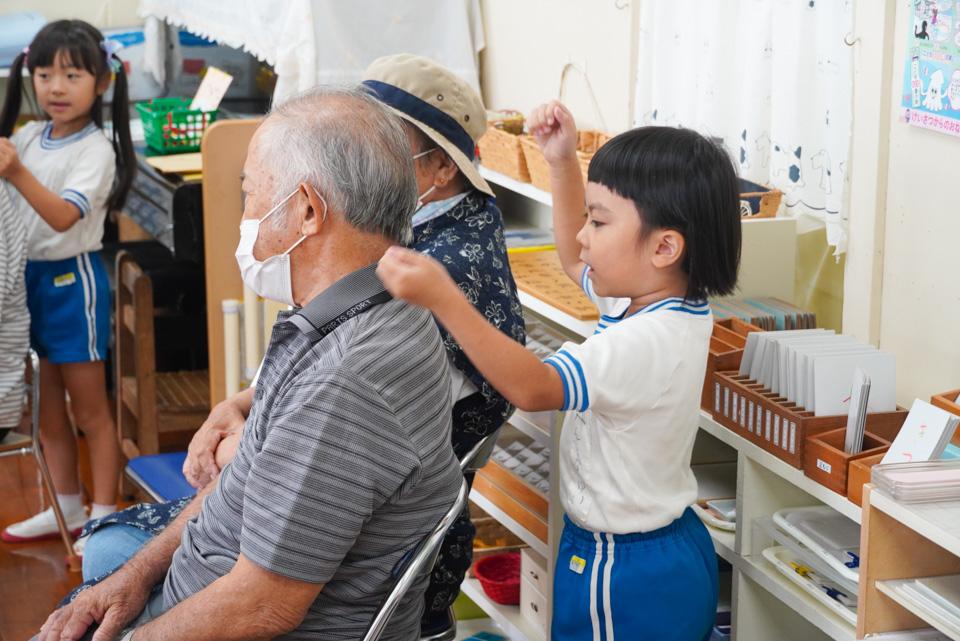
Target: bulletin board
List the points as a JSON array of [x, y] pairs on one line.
[[931, 78]]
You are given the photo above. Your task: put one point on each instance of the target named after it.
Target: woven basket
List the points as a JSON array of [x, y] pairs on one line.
[[499, 577], [588, 142], [500, 151]]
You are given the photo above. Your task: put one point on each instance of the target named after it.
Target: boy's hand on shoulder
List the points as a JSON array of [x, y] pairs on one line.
[[416, 278], [553, 127], [9, 160]]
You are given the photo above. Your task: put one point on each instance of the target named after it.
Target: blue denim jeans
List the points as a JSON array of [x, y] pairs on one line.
[[110, 547]]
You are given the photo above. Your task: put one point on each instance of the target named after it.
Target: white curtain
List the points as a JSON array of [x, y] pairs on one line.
[[772, 78], [321, 41]]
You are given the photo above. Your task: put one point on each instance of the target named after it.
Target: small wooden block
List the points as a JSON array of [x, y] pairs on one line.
[[541, 275]]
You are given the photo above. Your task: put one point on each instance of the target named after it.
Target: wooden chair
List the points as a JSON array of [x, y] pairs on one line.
[[156, 411]]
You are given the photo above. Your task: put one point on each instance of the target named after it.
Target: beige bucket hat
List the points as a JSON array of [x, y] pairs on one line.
[[439, 102]]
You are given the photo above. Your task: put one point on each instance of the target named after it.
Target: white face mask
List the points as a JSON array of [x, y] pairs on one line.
[[420, 198], [270, 278]]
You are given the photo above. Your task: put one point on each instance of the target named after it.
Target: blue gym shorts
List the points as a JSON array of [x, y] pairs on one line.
[[69, 302], [659, 585]]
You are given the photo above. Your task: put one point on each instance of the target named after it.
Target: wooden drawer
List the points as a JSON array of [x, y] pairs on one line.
[[533, 606], [534, 568]]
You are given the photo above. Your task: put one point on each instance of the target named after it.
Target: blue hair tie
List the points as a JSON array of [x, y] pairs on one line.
[[110, 48]]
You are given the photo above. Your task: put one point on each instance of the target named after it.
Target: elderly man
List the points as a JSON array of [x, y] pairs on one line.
[[345, 462]]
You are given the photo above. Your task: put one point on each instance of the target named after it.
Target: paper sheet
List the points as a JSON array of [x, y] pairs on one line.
[[177, 163]]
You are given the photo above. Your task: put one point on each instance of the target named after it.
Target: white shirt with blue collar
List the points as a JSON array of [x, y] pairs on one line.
[[80, 169], [632, 396]]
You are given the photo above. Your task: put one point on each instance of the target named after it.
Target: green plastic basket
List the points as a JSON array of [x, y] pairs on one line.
[[171, 127]]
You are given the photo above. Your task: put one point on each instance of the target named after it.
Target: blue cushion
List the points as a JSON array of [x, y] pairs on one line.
[[161, 475]]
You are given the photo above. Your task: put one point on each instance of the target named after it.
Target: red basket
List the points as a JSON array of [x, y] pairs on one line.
[[499, 576]]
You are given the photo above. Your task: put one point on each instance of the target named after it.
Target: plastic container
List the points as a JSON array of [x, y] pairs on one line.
[[922, 482], [499, 577], [171, 127]]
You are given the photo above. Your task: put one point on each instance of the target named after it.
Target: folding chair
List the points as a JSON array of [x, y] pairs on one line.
[[420, 560], [21, 444]]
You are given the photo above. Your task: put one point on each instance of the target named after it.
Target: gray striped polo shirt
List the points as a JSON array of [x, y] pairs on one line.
[[344, 465], [14, 317]]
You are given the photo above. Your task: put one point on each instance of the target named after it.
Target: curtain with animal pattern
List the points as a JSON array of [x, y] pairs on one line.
[[772, 79]]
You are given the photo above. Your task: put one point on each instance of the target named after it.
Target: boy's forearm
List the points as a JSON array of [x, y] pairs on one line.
[[513, 370], [566, 185], [57, 212]]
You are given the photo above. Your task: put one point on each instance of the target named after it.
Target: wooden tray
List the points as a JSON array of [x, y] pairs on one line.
[[948, 401], [781, 427], [541, 275], [827, 463], [859, 475], [726, 352]]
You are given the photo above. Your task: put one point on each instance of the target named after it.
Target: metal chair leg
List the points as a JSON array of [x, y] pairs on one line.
[[72, 559]]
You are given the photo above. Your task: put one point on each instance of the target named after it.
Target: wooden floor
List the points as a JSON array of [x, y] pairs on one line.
[[33, 576]]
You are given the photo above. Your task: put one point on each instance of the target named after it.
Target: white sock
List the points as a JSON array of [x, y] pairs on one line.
[[70, 503], [98, 510]]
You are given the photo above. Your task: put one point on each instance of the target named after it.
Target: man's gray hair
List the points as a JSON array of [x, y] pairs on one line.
[[345, 143]]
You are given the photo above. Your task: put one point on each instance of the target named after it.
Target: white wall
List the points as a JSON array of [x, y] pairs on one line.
[[920, 303], [99, 13], [528, 44]]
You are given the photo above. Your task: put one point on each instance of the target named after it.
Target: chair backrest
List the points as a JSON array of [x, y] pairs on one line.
[[135, 359], [420, 560]]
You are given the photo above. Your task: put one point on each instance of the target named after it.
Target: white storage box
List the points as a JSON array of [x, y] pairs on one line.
[[533, 567], [533, 605]]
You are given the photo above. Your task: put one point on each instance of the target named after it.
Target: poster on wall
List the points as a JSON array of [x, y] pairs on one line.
[[931, 77]]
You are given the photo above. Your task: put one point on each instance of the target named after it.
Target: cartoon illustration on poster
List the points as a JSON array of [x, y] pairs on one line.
[[931, 78]]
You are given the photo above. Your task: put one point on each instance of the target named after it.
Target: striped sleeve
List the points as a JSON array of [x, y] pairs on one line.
[[575, 392], [77, 199]]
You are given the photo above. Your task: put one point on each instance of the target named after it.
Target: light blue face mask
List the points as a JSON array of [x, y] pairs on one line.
[[431, 210]]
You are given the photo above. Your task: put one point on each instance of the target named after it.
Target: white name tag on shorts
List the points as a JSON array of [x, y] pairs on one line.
[[577, 564], [64, 279]]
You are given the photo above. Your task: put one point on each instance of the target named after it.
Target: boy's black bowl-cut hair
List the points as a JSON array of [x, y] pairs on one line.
[[680, 180]]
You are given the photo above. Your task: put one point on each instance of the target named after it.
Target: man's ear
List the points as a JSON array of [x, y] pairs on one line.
[[670, 245], [312, 210]]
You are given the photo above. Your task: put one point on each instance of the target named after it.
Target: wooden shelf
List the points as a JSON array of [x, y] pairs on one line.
[[723, 543], [787, 472], [524, 189], [584, 329], [510, 523], [918, 611], [927, 520], [507, 617], [761, 572]]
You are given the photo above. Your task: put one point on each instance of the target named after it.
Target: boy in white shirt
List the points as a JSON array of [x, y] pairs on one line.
[[662, 232]]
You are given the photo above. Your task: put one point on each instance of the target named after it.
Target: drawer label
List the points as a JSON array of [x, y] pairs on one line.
[[743, 411], [750, 419], [776, 429], [716, 397], [736, 402], [793, 437], [767, 426], [726, 401], [826, 467]]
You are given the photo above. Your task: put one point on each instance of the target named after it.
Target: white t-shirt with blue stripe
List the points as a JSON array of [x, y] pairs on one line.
[[80, 169], [632, 396]]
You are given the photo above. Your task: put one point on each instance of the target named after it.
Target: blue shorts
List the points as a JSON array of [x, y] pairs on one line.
[[69, 302], [659, 585]]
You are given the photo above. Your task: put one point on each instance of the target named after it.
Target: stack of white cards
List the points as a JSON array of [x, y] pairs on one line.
[[924, 435], [857, 418], [814, 368]]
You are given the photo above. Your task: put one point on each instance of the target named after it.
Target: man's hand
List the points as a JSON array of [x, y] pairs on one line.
[[113, 604], [416, 278], [9, 160], [555, 131], [226, 419]]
